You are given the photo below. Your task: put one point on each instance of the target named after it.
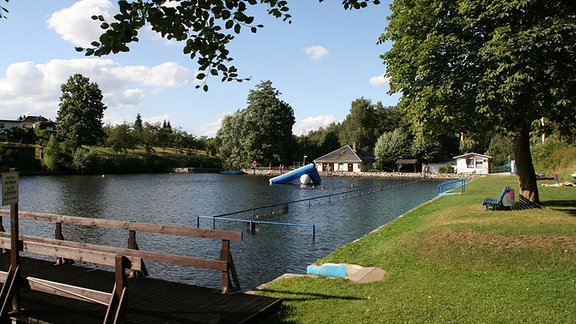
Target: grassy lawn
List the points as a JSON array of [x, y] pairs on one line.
[[450, 261]]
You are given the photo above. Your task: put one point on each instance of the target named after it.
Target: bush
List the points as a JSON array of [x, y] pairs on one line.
[[86, 161], [445, 169], [23, 158]]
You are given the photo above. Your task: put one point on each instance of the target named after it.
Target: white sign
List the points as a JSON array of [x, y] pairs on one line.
[[9, 188]]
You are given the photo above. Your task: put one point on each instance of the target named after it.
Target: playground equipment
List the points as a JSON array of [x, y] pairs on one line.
[[307, 174]]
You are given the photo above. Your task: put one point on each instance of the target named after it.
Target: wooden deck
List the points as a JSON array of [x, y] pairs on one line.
[[148, 300]]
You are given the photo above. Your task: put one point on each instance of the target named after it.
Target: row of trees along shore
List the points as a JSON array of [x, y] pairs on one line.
[[261, 132], [478, 68]]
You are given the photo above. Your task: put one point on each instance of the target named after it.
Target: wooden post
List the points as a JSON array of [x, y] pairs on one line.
[[120, 275], [58, 233], [14, 252], [230, 280], [132, 244], [224, 256]]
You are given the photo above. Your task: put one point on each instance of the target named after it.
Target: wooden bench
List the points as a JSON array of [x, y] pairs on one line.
[[120, 259], [496, 203], [524, 203]]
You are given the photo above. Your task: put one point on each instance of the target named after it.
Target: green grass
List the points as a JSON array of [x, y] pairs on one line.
[[450, 261]]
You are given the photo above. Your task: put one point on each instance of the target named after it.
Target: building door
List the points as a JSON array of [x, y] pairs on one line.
[[350, 167]]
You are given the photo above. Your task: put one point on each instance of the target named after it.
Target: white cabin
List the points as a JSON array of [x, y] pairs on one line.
[[472, 163]]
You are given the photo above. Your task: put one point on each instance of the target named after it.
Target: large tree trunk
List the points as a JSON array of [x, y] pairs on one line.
[[526, 173]]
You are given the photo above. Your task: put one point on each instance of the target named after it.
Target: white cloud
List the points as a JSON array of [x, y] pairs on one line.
[[130, 97], [313, 123], [35, 88], [168, 74], [75, 24], [210, 129], [316, 52], [379, 80], [157, 119]]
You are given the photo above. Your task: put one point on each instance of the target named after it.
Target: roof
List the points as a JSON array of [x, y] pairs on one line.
[[472, 154], [345, 154], [407, 161], [34, 119]]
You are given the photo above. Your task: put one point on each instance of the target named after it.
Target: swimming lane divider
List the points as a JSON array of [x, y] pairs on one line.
[[252, 220]]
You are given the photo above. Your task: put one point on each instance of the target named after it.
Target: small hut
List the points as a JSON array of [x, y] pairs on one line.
[[412, 163]]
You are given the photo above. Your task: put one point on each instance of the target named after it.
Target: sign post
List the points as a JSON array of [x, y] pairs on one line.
[[10, 197]]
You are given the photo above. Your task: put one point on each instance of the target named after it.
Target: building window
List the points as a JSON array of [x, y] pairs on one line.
[[470, 163], [479, 164]]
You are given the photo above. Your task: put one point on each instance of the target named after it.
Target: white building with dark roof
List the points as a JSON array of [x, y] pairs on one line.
[[344, 159]]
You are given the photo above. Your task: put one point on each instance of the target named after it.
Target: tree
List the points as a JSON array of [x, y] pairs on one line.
[[138, 123], [390, 147], [231, 137], [360, 125], [79, 119], [207, 27], [121, 138], [262, 132], [500, 150], [439, 148], [481, 66], [54, 157], [317, 142], [269, 122]]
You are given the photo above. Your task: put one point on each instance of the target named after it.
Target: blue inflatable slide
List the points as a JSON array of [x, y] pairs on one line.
[[309, 169]]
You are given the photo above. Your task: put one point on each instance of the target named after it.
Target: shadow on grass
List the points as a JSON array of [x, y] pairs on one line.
[[567, 206], [304, 296], [283, 317]]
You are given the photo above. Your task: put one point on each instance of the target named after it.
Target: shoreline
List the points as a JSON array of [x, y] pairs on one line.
[[392, 175]]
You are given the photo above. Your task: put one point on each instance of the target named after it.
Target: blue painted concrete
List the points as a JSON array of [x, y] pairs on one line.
[[327, 270]]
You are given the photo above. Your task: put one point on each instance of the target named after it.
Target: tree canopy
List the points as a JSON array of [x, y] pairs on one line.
[[262, 132], [478, 66], [79, 119], [207, 27]]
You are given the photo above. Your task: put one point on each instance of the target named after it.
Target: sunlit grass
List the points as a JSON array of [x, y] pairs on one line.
[[450, 261]]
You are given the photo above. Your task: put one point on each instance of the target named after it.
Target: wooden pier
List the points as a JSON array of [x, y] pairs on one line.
[[59, 291], [148, 300]]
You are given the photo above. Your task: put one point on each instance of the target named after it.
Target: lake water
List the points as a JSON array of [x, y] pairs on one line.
[[178, 198]]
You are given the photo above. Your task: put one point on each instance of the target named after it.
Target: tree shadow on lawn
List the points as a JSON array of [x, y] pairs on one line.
[[567, 206], [303, 296]]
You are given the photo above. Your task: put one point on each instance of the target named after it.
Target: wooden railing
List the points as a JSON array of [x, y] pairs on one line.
[[131, 258]]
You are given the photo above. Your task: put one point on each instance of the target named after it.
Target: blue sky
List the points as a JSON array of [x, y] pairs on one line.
[[320, 63]]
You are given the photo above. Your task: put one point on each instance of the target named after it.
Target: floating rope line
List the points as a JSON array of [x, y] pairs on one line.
[[254, 215]]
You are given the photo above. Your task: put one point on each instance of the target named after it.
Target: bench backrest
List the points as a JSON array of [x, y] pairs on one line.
[[505, 190]]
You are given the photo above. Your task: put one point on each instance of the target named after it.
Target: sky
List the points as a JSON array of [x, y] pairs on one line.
[[320, 63]]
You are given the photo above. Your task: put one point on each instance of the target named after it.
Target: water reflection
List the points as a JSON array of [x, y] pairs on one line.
[[176, 199]]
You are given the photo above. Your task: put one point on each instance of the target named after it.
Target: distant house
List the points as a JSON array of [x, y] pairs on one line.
[[31, 121], [27, 122], [8, 124], [5, 126], [472, 163], [345, 159]]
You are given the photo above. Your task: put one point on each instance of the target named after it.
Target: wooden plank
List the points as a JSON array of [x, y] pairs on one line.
[[64, 290], [142, 227], [65, 249], [149, 301], [105, 255]]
